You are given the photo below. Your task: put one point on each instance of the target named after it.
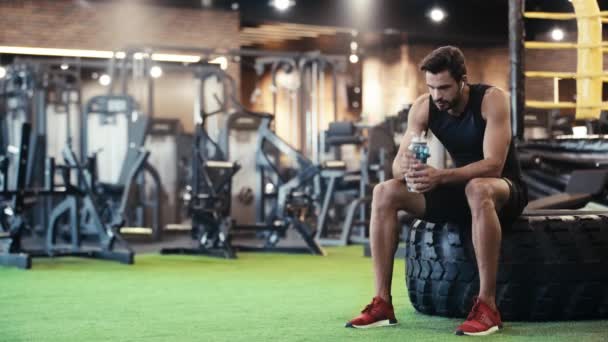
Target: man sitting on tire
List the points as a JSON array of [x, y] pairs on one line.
[[484, 188]]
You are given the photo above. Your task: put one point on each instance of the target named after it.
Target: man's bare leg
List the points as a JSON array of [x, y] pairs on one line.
[[486, 196], [388, 198]]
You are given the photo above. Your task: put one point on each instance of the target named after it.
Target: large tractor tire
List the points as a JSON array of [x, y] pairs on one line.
[[553, 266]]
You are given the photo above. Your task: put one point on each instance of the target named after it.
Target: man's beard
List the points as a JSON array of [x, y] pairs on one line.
[[446, 105]]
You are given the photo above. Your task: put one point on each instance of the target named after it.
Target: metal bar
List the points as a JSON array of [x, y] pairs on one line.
[[552, 105], [314, 113], [560, 74], [555, 89], [589, 58], [564, 45], [562, 16], [22, 166], [322, 219], [150, 94], [516, 58]]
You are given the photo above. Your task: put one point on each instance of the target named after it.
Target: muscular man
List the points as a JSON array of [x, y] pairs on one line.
[[484, 189]]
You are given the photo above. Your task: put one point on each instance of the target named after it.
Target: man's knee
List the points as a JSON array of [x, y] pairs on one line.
[[384, 195], [479, 193]]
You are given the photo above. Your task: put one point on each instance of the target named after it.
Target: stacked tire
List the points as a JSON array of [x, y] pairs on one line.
[[552, 267]]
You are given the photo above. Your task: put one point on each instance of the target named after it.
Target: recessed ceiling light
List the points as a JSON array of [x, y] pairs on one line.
[[156, 71], [437, 15], [105, 80], [282, 5], [557, 34]]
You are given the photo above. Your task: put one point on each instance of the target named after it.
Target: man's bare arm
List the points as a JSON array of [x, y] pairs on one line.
[[497, 137], [417, 122]]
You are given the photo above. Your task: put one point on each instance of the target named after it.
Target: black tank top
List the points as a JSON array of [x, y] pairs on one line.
[[463, 135]]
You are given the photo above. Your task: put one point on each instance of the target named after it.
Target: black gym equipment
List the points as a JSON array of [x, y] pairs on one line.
[[208, 196], [131, 200], [336, 217], [284, 198], [26, 90], [548, 167], [78, 202], [285, 202], [583, 186], [85, 220], [171, 158], [378, 150]]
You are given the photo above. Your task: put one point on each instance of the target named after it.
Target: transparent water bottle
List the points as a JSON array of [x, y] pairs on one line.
[[420, 149]]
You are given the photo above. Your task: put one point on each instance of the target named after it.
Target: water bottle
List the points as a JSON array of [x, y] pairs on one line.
[[420, 149]]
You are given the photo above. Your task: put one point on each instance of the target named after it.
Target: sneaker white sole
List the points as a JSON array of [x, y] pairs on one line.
[[384, 323], [483, 333]]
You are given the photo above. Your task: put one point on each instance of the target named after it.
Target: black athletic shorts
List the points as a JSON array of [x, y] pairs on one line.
[[448, 203]]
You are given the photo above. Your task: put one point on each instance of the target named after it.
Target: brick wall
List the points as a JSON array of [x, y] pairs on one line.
[[113, 25], [541, 89], [391, 77], [395, 79]]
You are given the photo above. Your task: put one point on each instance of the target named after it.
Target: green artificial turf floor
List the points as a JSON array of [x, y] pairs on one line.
[[259, 297]]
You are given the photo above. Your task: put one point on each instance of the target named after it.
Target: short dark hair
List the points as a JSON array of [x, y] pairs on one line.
[[445, 58]]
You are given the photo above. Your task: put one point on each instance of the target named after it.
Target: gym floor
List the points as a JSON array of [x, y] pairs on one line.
[[259, 297]]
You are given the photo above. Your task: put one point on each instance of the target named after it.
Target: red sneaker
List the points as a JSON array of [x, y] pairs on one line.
[[481, 321], [379, 313]]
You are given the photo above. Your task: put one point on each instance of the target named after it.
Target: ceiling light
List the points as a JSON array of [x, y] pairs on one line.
[[156, 71], [557, 34], [2, 72], [221, 60], [353, 45], [437, 15], [579, 131], [105, 80], [19, 50], [282, 5], [164, 57], [353, 58], [235, 6], [64, 66]]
